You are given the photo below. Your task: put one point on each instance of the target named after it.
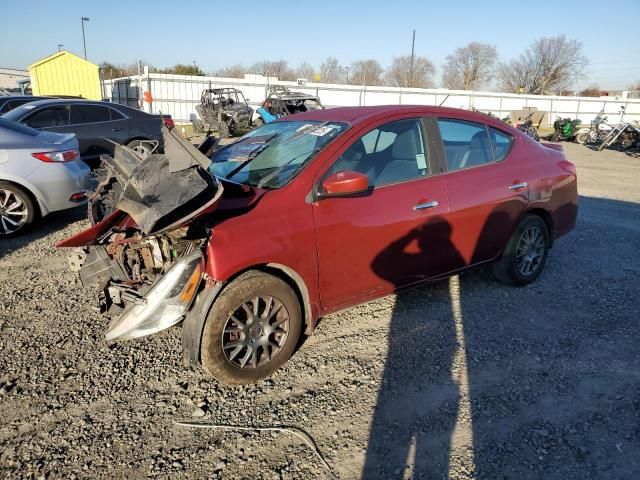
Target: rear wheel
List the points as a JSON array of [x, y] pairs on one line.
[[258, 122], [16, 209], [582, 138], [525, 254], [198, 126], [251, 330]]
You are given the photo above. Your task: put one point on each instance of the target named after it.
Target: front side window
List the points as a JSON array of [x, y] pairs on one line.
[[269, 156], [391, 153], [49, 117], [466, 144]]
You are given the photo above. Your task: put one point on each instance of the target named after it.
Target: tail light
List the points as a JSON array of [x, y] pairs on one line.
[[57, 157], [169, 122]]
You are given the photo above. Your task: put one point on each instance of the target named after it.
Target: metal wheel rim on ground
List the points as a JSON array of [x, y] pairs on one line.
[[255, 332], [13, 212]]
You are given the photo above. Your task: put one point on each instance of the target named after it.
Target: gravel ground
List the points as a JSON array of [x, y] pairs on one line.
[[462, 379]]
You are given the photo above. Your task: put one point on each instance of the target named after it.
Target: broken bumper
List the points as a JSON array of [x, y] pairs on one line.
[[164, 305]]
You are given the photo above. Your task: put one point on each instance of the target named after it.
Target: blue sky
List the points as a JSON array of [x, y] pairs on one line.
[[216, 34]]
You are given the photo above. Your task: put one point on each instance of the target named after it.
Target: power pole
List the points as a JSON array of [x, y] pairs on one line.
[[413, 45], [84, 43]]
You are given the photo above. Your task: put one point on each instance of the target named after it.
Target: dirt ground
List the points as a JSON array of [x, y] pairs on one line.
[[462, 379]]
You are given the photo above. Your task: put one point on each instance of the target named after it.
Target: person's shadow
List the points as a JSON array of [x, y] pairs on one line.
[[417, 406]]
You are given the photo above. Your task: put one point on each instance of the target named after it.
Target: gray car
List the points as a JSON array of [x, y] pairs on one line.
[[40, 172], [97, 125]]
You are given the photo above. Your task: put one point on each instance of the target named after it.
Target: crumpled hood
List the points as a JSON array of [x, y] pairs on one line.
[[159, 192]]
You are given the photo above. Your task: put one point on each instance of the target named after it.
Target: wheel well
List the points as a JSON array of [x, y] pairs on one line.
[[135, 138], [292, 279], [546, 216], [32, 197]]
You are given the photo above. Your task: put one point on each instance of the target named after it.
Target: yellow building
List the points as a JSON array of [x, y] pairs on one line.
[[64, 73]]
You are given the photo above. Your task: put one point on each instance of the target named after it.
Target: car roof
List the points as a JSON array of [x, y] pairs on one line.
[[356, 115], [55, 101]]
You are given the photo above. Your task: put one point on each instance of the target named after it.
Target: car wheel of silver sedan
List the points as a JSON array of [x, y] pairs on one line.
[[16, 209]]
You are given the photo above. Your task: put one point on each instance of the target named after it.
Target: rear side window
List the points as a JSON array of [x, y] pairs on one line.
[[466, 144], [49, 117], [501, 143], [4, 107], [89, 114]]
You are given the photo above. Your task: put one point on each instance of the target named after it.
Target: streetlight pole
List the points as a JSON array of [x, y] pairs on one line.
[[413, 45], [347, 68], [84, 43]]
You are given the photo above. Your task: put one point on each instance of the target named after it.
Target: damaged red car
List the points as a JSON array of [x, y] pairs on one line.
[[248, 245]]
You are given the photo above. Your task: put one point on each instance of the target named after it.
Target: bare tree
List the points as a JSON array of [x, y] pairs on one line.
[[234, 71], [470, 67], [367, 72], [331, 71], [550, 64], [634, 87], [401, 73], [305, 70], [278, 68], [591, 91]]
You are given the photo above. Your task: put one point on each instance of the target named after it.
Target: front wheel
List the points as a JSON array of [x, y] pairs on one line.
[[251, 330], [258, 122], [526, 252], [224, 130]]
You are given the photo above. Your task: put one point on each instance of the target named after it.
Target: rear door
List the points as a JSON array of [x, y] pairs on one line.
[[395, 235], [486, 185], [92, 126]]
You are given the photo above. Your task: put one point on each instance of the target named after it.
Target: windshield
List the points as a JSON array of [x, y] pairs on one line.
[[271, 155]]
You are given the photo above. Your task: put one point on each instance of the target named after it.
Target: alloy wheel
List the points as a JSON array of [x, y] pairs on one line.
[[14, 212], [530, 251], [255, 332]]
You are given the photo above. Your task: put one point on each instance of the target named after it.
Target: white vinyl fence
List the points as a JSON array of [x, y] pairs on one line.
[[177, 95]]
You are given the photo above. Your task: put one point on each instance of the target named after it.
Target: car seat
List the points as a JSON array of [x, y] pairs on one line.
[[403, 163], [478, 152]]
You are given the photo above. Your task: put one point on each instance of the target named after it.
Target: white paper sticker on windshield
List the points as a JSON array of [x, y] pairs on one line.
[[321, 131], [305, 127], [421, 161], [29, 107]]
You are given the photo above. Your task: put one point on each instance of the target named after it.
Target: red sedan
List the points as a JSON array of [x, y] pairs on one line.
[[314, 213]]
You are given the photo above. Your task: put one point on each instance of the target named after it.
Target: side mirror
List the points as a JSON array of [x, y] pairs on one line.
[[345, 183]]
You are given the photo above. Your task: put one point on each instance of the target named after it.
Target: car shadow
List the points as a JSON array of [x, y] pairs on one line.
[[41, 228], [482, 380]]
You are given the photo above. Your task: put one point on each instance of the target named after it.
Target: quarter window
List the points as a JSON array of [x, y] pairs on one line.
[[501, 143], [391, 153], [466, 144]]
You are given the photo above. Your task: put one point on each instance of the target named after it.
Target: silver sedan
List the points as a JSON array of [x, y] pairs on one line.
[[40, 172]]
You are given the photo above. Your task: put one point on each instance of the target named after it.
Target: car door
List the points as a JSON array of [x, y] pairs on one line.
[[486, 187], [392, 236], [92, 125]]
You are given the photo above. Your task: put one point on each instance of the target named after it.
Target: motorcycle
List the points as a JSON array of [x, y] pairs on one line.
[[565, 129], [596, 132], [527, 127], [624, 135]]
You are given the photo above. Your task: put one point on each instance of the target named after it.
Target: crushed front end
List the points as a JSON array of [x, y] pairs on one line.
[[150, 224]]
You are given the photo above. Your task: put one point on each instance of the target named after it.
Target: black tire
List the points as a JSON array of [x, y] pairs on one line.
[[223, 130], [24, 214], [217, 337], [509, 267], [198, 126], [258, 122], [141, 147]]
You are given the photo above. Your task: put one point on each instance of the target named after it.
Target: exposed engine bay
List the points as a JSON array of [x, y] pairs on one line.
[[149, 226]]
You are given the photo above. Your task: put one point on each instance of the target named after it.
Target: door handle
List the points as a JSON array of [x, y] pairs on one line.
[[424, 206], [518, 186], [116, 129]]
